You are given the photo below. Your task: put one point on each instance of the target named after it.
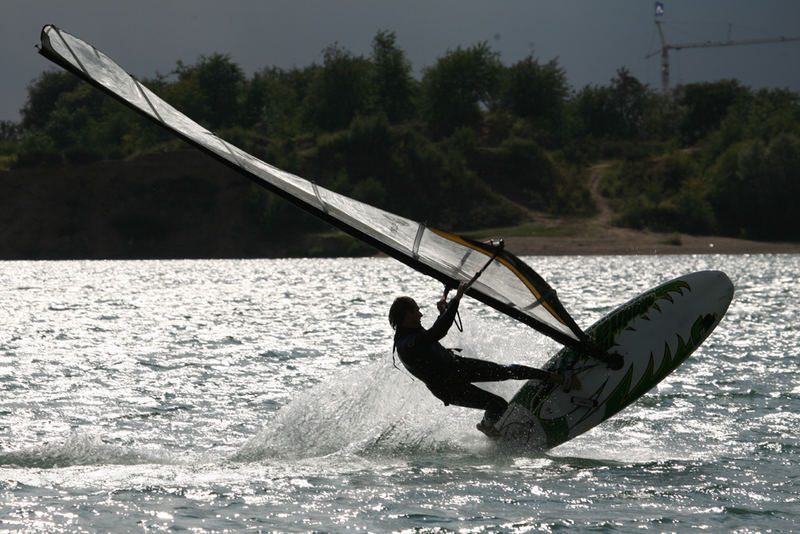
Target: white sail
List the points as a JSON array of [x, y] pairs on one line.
[[507, 284]]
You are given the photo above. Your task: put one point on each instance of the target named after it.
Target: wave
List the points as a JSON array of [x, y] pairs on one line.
[[81, 450], [378, 409], [373, 410]]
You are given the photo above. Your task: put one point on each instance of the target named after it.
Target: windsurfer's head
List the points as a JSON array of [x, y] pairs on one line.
[[404, 312]]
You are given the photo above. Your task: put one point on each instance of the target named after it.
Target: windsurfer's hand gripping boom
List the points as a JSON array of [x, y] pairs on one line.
[[442, 304], [498, 245]]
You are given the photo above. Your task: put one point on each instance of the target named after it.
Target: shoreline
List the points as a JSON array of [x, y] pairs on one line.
[[610, 242], [624, 242]]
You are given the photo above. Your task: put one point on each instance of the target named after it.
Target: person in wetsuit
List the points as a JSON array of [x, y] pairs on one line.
[[447, 375]]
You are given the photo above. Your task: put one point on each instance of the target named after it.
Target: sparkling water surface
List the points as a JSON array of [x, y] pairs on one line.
[[260, 395]]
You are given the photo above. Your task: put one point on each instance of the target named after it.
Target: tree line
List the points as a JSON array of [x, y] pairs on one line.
[[470, 143]]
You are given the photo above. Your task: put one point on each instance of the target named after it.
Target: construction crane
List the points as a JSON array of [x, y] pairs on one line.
[[665, 48]]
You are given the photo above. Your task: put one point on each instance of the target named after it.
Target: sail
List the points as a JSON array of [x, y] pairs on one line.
[[507, 284]]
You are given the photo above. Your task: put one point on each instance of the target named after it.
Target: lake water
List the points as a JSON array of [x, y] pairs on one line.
[[259, 395]]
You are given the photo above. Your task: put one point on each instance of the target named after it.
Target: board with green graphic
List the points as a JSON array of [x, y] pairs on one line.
[[654, 333]]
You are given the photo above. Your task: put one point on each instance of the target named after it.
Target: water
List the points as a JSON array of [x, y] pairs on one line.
[[226, 396]]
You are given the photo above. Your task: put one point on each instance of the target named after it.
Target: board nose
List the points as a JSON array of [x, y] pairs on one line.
[[723, 287]]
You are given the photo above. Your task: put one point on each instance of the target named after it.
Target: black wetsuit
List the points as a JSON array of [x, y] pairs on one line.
[[449, 376]]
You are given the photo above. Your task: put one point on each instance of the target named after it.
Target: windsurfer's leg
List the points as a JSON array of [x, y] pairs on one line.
[[471, 396], [474, 370], [523, 372]]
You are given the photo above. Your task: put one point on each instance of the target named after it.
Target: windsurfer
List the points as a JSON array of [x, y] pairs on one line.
[[447, 375]]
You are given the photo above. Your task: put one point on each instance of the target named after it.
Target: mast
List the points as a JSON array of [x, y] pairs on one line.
[[665, 48]]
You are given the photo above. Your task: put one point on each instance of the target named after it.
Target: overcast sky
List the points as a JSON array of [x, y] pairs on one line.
[[591, 39]]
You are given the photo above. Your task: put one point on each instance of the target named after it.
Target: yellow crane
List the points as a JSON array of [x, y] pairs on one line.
[[665, 48]]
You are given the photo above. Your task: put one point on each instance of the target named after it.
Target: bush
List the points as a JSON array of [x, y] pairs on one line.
[[755, 188], [82, 155], [38, 149]]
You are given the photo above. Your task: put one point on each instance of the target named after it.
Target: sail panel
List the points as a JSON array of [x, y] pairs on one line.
[[392, 230], [294, 185], [507, 284], [85, 58]]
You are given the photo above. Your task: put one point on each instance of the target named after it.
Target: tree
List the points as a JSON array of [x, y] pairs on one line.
[[271, 101], [617, 111], [593, 108], [393, 85], [755, 187], [780, 188], [628, 101], [9, 131], [209, 90], [537, 92], [43, 96], [705, 106], [763, 115], [339, 91], [458, 86], [771, 112]]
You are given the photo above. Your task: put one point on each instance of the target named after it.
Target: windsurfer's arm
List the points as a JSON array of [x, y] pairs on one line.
[[443, 323]]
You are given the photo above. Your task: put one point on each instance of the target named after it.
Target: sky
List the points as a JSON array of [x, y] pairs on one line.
[[590, 39]]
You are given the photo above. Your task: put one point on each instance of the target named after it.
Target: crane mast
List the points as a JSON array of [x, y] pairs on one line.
[[665, 48]]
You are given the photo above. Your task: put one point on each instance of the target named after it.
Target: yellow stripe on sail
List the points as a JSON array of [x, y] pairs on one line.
[[536, 293]]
